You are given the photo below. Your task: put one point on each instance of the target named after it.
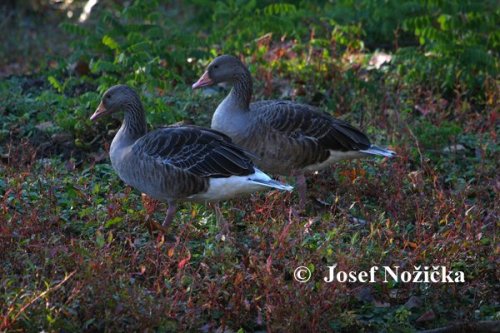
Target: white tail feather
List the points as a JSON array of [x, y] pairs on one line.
[[374, 150], [273, 184], [261, 178]]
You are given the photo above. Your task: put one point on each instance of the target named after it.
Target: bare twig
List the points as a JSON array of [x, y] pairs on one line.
[[42, 294], [417, 144]]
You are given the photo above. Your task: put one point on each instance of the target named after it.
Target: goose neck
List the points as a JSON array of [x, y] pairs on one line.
[[134, 123], [241, 92]]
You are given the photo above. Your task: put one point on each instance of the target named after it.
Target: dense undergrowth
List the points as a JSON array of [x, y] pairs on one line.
[[76, 250]]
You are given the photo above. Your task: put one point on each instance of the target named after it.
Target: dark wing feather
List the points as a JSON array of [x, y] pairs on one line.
[[219, 135], [300, 120], [202, 152], [207, 130]]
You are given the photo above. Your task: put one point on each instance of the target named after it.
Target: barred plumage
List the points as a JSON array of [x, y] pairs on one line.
[[178, 162], [288, 137]]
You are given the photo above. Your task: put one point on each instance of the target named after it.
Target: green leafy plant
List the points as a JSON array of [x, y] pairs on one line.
[[79, 254], [461, 39]]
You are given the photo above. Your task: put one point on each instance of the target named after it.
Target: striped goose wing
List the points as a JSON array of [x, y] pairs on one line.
[[206, 130], [225, 138], [302, 121], [199, 151]]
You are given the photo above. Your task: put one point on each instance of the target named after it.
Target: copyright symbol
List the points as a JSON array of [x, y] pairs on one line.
[[302, 274]]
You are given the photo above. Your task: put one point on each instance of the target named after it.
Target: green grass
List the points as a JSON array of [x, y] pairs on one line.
[[78, 254]]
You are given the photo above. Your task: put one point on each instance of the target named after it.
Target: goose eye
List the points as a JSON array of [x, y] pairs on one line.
[[216, 66]]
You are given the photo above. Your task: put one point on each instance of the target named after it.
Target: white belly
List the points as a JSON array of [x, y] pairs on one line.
[[335, 156], [226, 188]]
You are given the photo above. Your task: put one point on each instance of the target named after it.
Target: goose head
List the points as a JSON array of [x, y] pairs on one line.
[[224, 68], [115, 99]]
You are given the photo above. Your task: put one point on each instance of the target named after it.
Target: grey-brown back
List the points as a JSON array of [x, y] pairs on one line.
[[288, 136], [176, 162]]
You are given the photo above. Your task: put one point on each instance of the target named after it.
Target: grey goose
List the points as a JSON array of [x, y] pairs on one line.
[[289, 138], [179, 162]]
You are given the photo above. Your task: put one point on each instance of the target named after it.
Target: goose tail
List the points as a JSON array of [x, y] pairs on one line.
[[261, 178], [374, 150]]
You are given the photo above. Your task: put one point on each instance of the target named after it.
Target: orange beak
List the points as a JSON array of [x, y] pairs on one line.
[[204, 81], [101, 111]]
